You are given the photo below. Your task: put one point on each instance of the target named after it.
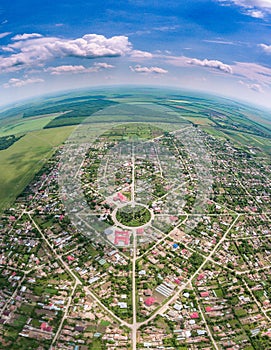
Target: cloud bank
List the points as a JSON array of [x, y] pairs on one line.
[[33, 49]]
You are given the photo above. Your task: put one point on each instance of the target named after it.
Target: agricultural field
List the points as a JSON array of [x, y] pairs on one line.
[[30, 121], [21, 161]]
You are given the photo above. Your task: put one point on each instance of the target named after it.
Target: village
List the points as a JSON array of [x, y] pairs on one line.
[[187, 272]]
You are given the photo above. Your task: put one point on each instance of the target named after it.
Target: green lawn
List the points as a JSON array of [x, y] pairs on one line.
[[20, 162]]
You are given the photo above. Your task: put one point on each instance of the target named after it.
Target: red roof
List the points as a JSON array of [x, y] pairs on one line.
[[45, 327], [70, 258], [200, 277], [194, 315], [140, 230], [150, 301], [121, 197], [122, 236], [204, 294], [208, 309]]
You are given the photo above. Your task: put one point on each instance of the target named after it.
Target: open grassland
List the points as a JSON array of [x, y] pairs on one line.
[[20, 162], [22, 126]]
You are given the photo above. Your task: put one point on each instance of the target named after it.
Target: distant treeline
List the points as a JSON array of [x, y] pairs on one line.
[[7, 141], [77, 112]]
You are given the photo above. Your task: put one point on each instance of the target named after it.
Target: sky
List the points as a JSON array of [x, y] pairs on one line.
[[215, 46]]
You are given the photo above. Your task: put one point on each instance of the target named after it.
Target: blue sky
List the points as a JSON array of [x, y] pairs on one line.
[[221, 46]]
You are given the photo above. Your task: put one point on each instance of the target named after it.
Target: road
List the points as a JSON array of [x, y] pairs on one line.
[[134, 326], [181, 288], [206, 325]]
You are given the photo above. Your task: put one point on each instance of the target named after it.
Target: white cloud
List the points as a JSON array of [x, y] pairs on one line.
[[167, 28], [255, 13], [253, 3], [26, 36], [34, 51], [140, 69], [253, 8], [137, 54], [266, 48], [65, 69], [75, 69], [14, 82], [211, 64], [254, 72], [103, 65], [220, 42], [183, 61], [3, 35], [254, 87]]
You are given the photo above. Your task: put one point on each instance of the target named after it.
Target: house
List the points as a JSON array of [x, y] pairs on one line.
[[200, 277], [140, 230], [122, 238], [148, 292], [79, 329], [149, 301], [70, 258], [194, 315], [120, 197], [122, 305], [208, 309], [45, 327]]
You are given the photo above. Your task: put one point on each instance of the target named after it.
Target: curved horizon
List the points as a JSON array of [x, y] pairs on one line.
[[215, 46]]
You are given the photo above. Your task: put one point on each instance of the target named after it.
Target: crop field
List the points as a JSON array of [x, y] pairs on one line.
[[20, 162], [22, 126], [200, 120], [46, 122]]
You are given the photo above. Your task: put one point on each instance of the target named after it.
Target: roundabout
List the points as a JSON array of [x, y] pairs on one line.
[[132, 215]]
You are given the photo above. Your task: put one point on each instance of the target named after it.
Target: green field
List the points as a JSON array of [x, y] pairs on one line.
[[25, 125], [21, 161], [43, 123]]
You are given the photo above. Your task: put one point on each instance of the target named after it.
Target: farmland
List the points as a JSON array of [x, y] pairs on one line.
[[41, 124], [21, 161]]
